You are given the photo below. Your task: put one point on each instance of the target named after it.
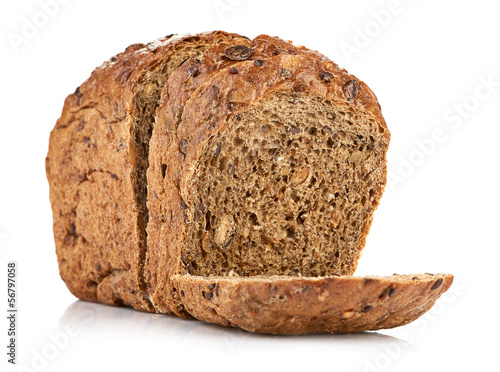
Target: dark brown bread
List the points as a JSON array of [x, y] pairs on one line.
[[96, 168], [265, 163], [286, 305]]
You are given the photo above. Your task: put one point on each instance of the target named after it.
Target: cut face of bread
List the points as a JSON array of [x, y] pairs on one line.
[[291, 305], [288, 188]]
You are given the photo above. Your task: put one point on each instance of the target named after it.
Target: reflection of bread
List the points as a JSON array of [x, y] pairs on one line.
[[266, 164]]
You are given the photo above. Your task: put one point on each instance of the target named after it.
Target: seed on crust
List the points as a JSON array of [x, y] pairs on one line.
[[239, 52]]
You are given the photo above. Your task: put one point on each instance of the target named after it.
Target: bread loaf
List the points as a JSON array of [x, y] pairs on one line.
[[241, 195]]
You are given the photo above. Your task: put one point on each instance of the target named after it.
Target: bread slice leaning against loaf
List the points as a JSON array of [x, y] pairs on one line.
[[266, 164]]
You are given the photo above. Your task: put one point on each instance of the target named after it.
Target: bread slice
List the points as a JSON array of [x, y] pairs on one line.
[[290, 305], [176, 93], [96, 168]]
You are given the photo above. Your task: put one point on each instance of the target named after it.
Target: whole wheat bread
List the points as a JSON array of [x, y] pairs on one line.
[[262, 167]]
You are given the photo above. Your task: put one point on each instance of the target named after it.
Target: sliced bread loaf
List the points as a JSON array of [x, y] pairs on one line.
[[265, 163]]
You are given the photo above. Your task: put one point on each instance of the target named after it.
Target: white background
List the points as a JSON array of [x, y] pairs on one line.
[[427, 61]]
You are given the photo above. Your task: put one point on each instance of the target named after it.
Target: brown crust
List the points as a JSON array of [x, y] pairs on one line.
[[284, 305], [90, 168], [196, 71], [207, 113]]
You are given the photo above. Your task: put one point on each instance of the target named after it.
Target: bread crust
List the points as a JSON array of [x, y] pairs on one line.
[[196, 71], [291, 306], [90, 168]]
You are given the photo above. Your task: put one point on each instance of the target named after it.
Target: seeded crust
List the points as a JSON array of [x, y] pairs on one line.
[[285, 305], [176, 93], [96, 170], [196, 71]]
